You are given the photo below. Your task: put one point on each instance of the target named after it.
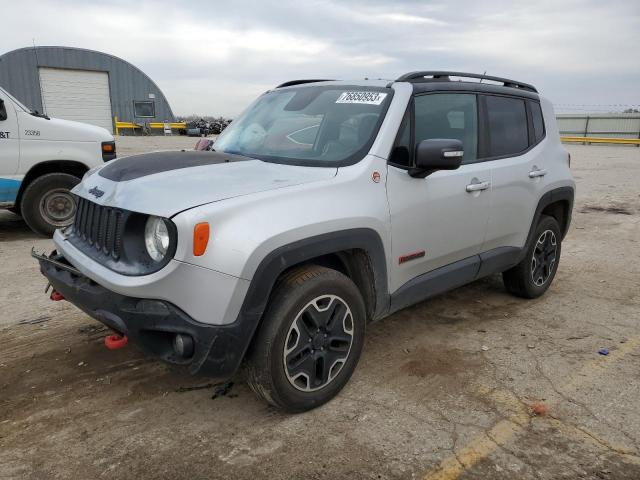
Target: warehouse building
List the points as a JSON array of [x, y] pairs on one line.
[[82, 85]]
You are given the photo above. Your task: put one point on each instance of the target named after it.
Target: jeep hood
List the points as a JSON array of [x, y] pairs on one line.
[[166, 183]]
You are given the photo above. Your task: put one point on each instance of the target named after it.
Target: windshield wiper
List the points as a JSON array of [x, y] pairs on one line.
[[35, 113], [242, 154]]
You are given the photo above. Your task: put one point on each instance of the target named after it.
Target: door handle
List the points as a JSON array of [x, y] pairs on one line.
[[475, 187], [537, 173]]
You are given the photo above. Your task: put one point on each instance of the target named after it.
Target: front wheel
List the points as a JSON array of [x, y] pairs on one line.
[[47, 203], [310, 339], [533, 275]]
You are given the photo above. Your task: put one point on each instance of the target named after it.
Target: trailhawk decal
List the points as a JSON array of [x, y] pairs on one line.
[[366, 98]]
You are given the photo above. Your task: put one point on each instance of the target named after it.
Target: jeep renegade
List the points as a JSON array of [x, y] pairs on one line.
[[325, 206]]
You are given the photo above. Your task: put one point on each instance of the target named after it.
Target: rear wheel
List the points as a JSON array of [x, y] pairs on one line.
[[310, 339], [533, 275], [47, 203]]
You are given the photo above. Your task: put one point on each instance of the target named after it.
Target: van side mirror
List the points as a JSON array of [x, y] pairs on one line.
[[437, 154], [3, 111]]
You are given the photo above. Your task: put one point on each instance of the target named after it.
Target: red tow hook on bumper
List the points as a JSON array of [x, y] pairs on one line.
[[56, 296], [115, 341]]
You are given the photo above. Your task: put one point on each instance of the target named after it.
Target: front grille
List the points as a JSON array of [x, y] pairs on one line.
[[99, 227]]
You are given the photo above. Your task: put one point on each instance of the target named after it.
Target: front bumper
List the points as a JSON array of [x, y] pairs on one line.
[[205, 295], [152, 324]]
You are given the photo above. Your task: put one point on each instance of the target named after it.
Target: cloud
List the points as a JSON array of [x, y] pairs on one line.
[[214, 58], [407, 18]]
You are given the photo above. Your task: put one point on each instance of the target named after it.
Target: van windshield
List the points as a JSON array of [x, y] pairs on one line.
[[15, 101], [315, 126]]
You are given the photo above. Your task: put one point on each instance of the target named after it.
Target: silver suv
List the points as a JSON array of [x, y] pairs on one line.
[[325, 206]]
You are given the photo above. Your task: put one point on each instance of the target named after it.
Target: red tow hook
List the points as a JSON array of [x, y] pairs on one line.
[[56, 296], [115, 341]]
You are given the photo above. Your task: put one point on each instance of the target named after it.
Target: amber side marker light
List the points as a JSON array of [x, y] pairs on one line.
[[200, 238], [108, 151]]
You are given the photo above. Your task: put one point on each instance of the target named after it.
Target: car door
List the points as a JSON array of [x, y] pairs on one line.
[[9, 151], [517, 168], [440, 219]]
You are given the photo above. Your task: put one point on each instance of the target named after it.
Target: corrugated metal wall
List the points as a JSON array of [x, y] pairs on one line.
[[19, 76], [611, 125]]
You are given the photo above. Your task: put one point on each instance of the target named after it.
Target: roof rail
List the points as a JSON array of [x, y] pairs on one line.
[[444, 76], [291, 83]]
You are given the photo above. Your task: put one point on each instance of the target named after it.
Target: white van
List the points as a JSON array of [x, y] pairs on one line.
[[42, 159]]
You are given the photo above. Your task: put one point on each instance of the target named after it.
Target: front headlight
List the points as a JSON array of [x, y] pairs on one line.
[[156, 238]]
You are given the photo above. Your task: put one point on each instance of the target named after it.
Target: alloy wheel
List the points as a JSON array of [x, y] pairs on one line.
[[318, 343], [544, 257]]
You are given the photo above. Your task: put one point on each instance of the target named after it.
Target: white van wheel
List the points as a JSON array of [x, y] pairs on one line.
[[47, 203]]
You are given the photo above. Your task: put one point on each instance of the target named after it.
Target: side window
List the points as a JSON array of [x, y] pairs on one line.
[[508, 132], [538, 122], [143, 109], [448, 115]]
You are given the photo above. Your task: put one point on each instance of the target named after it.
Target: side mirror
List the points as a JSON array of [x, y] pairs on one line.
[[437, 154], [3, 111]]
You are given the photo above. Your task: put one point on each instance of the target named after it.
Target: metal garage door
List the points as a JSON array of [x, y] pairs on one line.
[[78, 95]]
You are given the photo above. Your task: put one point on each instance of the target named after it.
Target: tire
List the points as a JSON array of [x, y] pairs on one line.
[[47, 203], [534, 274], [15, 210], [277, 361]]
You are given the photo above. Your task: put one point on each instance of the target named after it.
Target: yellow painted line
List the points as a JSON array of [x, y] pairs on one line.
[[479, 448], [601, 363], [621, 141], [588, 436], [484, 445]]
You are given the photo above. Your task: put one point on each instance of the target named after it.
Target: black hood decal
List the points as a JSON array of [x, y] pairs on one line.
[[136, 166]]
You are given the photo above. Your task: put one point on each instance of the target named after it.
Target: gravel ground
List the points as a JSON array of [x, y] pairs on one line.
[[444, 389]]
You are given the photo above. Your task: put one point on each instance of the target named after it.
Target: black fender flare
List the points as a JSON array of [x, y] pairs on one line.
[[306, 249], [226, 355], [552, 196]]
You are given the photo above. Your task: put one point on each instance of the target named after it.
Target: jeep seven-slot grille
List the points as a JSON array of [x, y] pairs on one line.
[[99, 227]]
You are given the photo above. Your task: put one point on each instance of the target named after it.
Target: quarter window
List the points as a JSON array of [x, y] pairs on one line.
[[538, 122], [401, 154], [508, 132], [450, 116]]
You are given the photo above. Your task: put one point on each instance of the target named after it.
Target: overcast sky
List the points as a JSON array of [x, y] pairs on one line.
[[214, 57]]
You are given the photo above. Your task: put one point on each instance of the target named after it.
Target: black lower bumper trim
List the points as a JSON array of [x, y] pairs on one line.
[[153, 324]]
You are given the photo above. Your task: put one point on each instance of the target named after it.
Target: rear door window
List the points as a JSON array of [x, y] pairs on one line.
[[508, 133]]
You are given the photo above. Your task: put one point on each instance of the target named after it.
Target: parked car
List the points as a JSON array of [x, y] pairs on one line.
[[42, 159], [327, 205]]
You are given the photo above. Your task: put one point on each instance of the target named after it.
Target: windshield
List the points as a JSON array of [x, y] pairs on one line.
[[315, 126], [15, 101]]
